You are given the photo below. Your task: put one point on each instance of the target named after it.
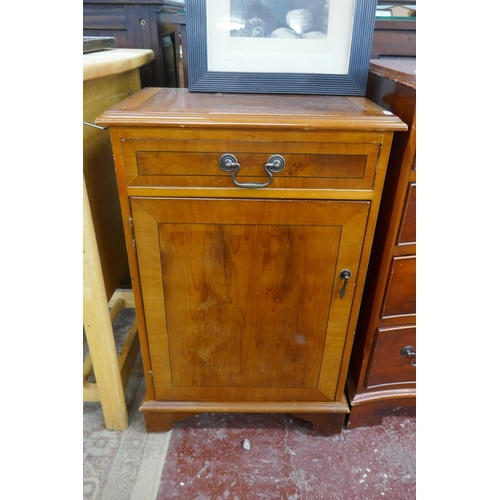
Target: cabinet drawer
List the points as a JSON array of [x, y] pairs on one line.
[[388, 366], [408, 233], [104, 17], [193, 163], [400, 295]]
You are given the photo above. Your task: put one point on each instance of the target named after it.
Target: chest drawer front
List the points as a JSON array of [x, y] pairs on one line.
[[242, 298], [194, 163], [400, 295], [408, 233], [388, 366]]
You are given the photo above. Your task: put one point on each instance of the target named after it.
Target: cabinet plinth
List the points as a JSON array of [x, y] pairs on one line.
[[238, 265]]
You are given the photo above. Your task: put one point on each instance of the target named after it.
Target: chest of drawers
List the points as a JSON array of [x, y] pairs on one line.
[[249, 222], [382, 375]]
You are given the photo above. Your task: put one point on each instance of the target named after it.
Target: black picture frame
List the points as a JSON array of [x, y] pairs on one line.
[[351, 81]]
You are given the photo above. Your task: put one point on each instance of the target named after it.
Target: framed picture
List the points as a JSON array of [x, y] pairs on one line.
[[279, 46]]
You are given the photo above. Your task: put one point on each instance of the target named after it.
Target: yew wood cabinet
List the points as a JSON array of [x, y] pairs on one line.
[[249, 222]]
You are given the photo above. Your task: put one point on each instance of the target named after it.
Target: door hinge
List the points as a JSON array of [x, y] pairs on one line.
[[132, 228], [151, 378]]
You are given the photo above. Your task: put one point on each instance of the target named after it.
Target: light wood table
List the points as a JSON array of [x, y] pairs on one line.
[[109, 76]]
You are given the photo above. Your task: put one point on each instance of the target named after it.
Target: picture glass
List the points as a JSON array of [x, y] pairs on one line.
[[280, 36]]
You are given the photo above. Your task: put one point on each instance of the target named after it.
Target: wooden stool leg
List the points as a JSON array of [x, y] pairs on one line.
[[99, 330]]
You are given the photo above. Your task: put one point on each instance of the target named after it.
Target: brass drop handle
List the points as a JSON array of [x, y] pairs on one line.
[[345, 275], [409, 352], [229, 163]]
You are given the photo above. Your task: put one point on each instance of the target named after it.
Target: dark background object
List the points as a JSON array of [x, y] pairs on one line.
[[95, 43], [395, 39], [140, 24]]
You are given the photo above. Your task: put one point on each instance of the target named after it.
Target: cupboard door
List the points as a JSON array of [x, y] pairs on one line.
[[242, 297]]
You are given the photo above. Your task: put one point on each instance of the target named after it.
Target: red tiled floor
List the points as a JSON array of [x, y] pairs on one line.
[[288, 460]]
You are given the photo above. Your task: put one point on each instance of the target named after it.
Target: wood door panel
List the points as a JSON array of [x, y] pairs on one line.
[[247, 298], [247, 292]]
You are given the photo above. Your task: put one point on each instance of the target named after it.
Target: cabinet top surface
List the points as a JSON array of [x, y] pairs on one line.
[[399, 70], [153, 107], [113, 61]]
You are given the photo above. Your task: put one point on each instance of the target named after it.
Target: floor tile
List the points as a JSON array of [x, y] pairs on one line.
[[288, 460]]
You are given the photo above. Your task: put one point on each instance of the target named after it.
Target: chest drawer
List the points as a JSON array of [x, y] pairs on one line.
[[408, 232], [192, 162], [388, 366], [400, 299]]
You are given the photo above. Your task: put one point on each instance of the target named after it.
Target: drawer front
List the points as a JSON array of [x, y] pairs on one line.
[[104, 17], [408, 233], [194, 163], [388, 366], [400, 295]]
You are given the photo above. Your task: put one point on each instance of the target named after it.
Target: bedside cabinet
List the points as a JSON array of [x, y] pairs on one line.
[[249, 223], [382, 374]]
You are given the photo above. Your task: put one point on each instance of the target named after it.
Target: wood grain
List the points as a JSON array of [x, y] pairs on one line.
[[245, 290], [180, 107], [388, 367], [113, 62], [243, 301]]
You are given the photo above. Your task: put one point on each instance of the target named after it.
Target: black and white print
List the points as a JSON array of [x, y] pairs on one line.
[[306, 19]]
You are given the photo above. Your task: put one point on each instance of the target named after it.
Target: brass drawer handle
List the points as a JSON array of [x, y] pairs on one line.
[[409, 352], [229, 163]]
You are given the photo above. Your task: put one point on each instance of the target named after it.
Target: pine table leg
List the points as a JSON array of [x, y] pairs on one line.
[[99, 329]]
